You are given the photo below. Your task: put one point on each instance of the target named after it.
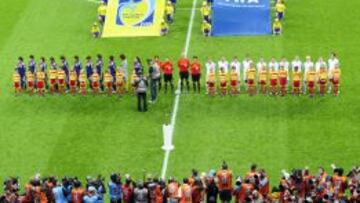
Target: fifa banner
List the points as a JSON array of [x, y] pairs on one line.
[[133, 18], [241, 17]]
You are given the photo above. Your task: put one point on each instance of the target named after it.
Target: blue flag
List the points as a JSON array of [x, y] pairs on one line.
[[241, 17]]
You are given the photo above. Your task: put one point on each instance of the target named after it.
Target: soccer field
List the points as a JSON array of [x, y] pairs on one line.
[[73, 135]]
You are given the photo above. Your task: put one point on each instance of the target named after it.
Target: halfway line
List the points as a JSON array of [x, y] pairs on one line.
[[177, 97]]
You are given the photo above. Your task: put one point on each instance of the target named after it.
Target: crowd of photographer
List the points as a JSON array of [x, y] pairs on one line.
[[296, 186]]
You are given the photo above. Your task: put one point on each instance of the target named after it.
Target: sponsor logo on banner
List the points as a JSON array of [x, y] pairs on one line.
[[243, 3], [135, 13]]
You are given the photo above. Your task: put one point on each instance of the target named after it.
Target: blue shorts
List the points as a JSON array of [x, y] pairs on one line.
[[102, 18], [277, 31], [96, 34], [207, 19], [280, 15]]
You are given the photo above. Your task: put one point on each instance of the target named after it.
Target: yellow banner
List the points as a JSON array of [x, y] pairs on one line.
[[133, 18]]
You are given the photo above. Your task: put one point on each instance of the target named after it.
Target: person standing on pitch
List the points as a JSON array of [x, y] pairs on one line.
[[65, 68], [196, 73], [184, 64], [89, 69], [124, 66], [224, 176], [32, 64], [167, 67], [112, 70], [20, 67], [154, 72], [141, 85], [98, 68], [141, 193]]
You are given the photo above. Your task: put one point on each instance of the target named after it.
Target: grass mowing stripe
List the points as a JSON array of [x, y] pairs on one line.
[[177, 97]]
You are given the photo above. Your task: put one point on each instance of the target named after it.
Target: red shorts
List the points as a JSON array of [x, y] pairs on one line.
[[82, 84], [16, 85], [234, 83], [222, 84], [296, 84], [61, 81], [322, 82], [109, 85], [211, 84], [72, 83], [273, 82], [311, 84], [283, 81], [335, 82], [30, 84], [262, 82], [40, 84], [95, 84], [52, 81], [250, 82]]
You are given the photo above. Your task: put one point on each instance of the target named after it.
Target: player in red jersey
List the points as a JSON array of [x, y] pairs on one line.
[[77, 192], [339, 183], [196, 73], [172, 191], [184, 64], [167, 68], [128, 190], [225, 183], [185, 192]]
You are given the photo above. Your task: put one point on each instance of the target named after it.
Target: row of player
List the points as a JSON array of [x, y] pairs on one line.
[[270, 75], [299, 185]]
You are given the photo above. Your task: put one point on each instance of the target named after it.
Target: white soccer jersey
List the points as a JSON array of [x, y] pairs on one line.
[[285, 64], [296, 63], [274, 65], [210, 66], [237, 65], [307, 66], [246, 66], [332, 62], [319, 64], [223, 64], [260, 65]]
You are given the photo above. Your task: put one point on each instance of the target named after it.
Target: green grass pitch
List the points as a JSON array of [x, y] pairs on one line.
[[66, 135]]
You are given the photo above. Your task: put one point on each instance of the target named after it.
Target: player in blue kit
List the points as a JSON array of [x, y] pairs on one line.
[[22, 72], [89, 68], [32, 64], [77, 66], [65, 68], [112, 70], [98, 68]]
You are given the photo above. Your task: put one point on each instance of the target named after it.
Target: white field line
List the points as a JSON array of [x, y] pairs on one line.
[[177, 97]]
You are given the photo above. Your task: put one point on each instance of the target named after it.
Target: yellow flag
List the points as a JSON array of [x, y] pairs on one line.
[[133, 18]]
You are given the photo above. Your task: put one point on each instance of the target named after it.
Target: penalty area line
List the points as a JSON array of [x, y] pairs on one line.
[[170, 133]]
